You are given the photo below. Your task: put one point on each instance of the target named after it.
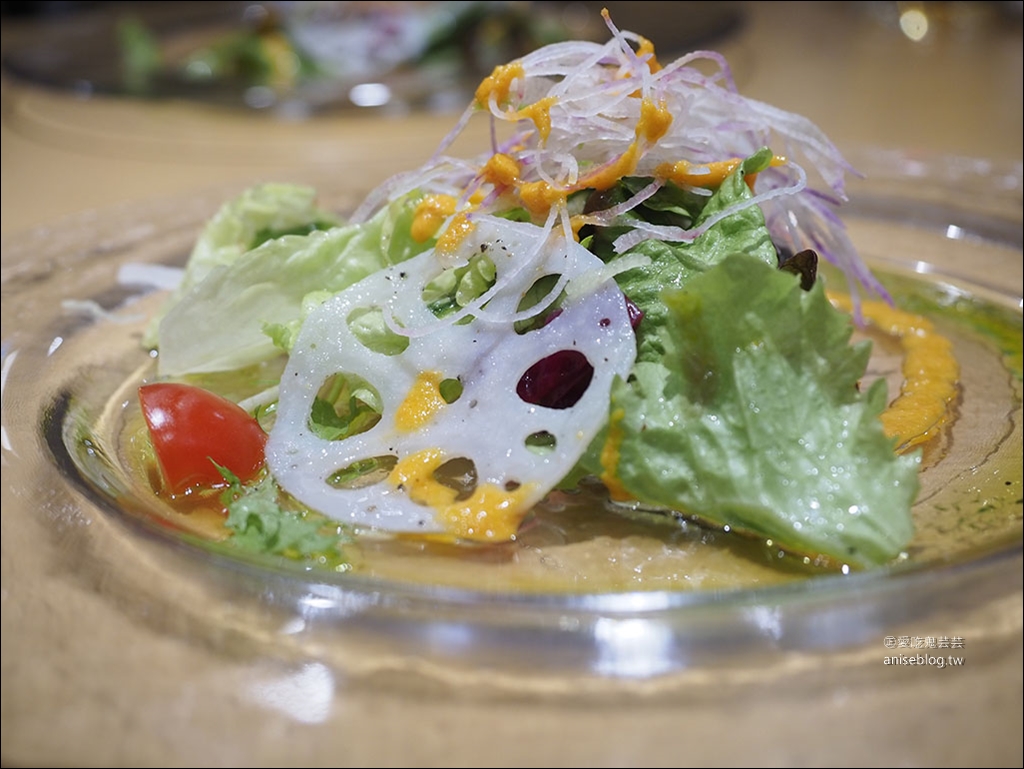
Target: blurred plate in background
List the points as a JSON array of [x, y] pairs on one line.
[[297, 58]]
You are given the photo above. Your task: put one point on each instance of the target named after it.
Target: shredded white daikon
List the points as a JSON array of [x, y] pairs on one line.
[[572, 120]]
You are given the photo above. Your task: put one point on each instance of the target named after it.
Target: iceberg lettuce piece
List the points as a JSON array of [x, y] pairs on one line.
[[258, 214], [753, 419], [219, 323]]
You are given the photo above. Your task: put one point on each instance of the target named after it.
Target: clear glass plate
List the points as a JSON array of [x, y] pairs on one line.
[[109, 597]]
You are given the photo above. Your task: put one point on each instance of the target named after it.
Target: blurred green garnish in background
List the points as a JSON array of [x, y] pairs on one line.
[[455, 41]]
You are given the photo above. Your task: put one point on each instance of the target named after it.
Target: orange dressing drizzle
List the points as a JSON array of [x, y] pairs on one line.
[[498, 84], [501, 170], [647, 47], [429, 215], [456, 232], [655, 120], [421, 403], [490, 514], [539, 197], [540, 113], [930, 372], [610, 457], [709, 175]]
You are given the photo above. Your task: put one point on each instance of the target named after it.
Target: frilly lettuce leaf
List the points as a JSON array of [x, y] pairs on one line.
[[219, 322], [261, 524], [752, 419], [672, 265]]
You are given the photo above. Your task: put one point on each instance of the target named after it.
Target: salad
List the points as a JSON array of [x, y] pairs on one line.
[[623, 291]]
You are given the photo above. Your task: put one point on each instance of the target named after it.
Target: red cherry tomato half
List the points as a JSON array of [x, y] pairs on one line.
[[192, 428]]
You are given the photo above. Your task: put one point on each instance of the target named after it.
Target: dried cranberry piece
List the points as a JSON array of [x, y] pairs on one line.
[[557, 381], [635, 313]]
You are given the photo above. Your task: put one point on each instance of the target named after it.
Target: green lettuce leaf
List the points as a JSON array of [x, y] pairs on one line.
[[260, 524], [672, 265], [752, 419], [218, 324]]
